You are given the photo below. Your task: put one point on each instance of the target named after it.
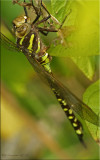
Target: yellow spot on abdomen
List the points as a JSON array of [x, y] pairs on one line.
[[64, 103], [59, 99], [75, 124], [44, 57], [75, 120], [65, 109], [70, 117], [47, 67], [78, 131], [70, 111]]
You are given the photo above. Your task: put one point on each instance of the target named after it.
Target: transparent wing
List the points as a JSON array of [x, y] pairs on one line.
[[75, 104], [8, 44]]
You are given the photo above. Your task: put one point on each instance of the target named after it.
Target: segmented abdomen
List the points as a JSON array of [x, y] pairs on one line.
[[69, 113], [44, 60]]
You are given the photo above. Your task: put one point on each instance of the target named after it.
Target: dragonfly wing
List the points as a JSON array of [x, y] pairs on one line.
[[81, 108], [75, 104], [8, 44]]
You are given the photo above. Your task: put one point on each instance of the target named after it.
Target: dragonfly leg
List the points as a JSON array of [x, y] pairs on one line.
[[25, 10], [47, 29], [39, 14], [45, 8], [43, 20], [44, 33], [64, 20]]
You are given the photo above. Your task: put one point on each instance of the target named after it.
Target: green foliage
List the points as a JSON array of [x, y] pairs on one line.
[[60, 8], [86, 65], [91, 98], [80, 33], [84, 39]]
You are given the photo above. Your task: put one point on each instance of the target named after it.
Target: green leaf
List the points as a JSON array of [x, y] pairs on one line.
[[91, 98], [80, 34], [86, 65], [60, 8]]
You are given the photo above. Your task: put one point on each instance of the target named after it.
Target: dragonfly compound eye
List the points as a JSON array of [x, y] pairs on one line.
[[21, 20], [23, 30]]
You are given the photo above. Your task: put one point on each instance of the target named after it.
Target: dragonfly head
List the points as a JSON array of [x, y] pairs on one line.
[[21, 26]]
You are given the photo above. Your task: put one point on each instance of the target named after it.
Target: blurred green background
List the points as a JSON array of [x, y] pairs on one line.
[[33, 126]]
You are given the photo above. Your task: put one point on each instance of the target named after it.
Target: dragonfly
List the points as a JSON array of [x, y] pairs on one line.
[[29, 43]]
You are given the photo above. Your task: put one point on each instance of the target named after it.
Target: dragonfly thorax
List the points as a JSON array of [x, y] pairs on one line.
[[21, 26], [28, 39]]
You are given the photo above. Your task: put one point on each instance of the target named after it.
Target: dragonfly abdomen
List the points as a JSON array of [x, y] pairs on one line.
[[69, 113], [44, 60]]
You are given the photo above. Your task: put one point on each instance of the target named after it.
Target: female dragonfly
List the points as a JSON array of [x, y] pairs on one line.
[[30, 44]]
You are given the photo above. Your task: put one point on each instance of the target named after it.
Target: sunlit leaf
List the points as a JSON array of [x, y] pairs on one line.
[[84, 39], [86, 65], [60, 8], [91, 98]]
